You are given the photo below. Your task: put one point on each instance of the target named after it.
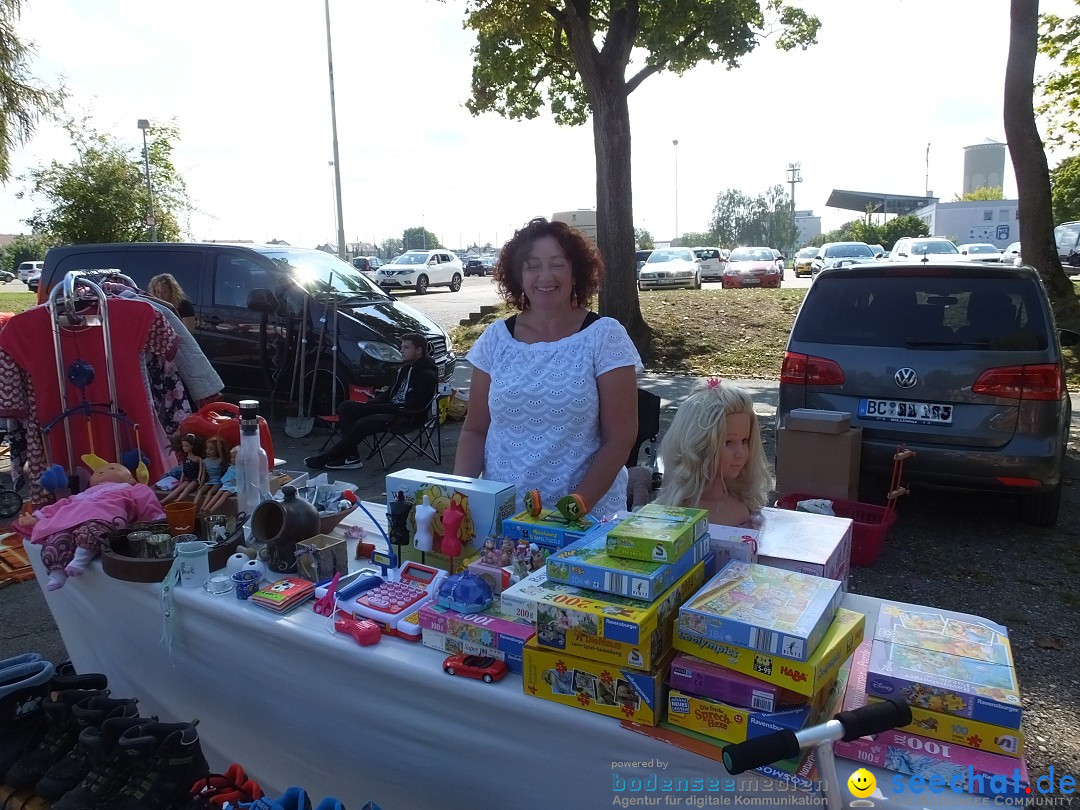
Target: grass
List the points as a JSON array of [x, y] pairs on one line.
[[721, 333]]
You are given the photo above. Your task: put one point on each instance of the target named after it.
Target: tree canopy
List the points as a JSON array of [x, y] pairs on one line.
[[886, 234], [101, 196], [419, 238], [766, 219], [981, 193], [23, 100], [1059, 39], [1065, 189], [572, 57]]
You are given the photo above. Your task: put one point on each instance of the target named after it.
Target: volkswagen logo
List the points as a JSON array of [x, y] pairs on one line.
[[906, 377]]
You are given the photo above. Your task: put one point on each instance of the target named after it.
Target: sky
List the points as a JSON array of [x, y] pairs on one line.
[[247, 84]]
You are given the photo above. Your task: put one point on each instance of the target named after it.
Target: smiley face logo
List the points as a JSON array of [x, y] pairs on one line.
[[861, 783]]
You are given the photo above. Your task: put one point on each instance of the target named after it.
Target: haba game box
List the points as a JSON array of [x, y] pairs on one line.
[[946, 662], [766, 609]]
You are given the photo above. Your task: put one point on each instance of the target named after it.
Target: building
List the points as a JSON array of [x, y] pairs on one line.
[[993, 221], [808, 226], [984, 166]]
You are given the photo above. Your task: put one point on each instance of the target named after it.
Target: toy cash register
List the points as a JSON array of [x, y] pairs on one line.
[[403, 593]]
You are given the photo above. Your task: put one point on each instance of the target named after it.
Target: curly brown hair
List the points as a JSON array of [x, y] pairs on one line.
[[585, 262]]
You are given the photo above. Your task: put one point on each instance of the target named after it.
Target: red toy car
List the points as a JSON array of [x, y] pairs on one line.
[[364, 631], [483, 667]]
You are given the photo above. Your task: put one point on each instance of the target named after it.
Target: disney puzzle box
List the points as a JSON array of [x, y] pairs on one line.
[[945, 661], [761, 608]]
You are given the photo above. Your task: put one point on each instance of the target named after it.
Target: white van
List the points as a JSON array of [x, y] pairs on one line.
[[30, 271]]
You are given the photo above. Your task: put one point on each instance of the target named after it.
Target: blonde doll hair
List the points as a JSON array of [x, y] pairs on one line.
[[691, 448]]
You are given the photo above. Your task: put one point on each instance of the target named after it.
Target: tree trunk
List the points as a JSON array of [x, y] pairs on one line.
[[1029, 163], [615, 209]]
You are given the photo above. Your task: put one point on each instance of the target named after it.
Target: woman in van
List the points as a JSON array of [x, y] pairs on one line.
[[168, 289]]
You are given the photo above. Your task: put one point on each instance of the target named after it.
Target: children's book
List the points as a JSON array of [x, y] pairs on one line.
[[283, 594]]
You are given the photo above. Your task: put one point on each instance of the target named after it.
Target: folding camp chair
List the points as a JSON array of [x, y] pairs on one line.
[[419, 433], [357, 393]]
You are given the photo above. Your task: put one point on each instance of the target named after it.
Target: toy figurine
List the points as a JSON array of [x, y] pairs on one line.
[[522, 556], [452, 518], [192, 469], [70, 531], [506, 553], [215, 466], [216, 500], [397, 513], [425, 515], [488, 554], [533, 503], [536, 558], [572, 507]]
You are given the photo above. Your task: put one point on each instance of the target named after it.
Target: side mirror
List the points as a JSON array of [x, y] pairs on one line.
[[263, 300], [433, 260]]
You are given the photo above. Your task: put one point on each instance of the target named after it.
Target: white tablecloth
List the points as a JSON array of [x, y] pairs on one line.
[[298, 704]]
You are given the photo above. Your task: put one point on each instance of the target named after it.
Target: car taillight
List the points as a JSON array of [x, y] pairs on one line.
[[806, 369], [1041, 382]]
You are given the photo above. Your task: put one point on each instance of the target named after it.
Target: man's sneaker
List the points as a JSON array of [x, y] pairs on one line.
[[316, 462], [350, 463]]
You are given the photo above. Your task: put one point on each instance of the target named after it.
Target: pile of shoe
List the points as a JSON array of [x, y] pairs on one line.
[[64, 738], [294, 798]]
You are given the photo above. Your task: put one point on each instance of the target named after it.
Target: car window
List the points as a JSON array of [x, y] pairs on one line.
[[848, 251], [751, 255], [707, 253], [235, 276], [1067, 236], [319, 271], [807, 253], [901, 311], [932, 247]]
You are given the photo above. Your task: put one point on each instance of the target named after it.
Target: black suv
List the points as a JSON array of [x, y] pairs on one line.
[[960, 363], [250, 300]]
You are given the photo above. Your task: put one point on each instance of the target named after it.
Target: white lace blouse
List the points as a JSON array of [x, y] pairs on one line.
[[545, 408]]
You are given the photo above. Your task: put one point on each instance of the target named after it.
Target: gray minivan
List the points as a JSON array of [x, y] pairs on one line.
[[960, 362], [250, 299]]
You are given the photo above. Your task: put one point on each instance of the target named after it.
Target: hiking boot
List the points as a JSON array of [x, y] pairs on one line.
[[217, 791], [61, 734], [24, 686], [70, 770], [294, 798], [109, 770], [66, 678], [166, 759]]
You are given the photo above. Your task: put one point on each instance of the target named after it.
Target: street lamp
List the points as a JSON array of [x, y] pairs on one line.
[[337, 158], [151, 221], [676, 145]]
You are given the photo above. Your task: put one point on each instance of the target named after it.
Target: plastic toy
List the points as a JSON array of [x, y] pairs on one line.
[[475, 666], [391, 604], [365, 631], [488, 553], [324, 605], [465, 592], [452, 518], [571, 507], [397, 513], [425, 514]]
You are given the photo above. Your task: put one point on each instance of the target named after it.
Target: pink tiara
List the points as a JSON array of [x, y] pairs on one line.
[[714, 383]]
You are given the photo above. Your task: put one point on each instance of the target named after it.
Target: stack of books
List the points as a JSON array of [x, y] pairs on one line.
[[284, 594]]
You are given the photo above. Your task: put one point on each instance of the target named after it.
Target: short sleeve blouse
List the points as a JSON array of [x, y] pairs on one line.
[[545, 408]]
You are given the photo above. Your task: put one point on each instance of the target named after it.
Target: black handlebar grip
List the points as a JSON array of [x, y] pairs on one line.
[[874, 718], [760, 751]]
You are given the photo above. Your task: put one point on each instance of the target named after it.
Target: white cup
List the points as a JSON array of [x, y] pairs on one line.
[[194, 559]]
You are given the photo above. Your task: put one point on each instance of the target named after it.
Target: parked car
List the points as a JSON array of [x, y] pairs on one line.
[[670, 268], [712, 261], [779, 257], [926, 248], [484, 667], [249, 300], [980, 252], [1067, 236], [752, 267], [960, 362], [840, 254], [878, 251], [367, 265], [642, 256], [29, 270], [420, 269], [6, 276], [475, 267], [804, 259], [1011, 255]]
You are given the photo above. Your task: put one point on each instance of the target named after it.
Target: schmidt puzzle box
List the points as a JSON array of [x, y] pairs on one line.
[[657, 533], [946, 662]]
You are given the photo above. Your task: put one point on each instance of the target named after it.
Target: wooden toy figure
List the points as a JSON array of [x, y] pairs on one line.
[[452, 518], [425, 515]]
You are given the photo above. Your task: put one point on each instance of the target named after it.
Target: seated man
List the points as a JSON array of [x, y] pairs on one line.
[[405, 403]]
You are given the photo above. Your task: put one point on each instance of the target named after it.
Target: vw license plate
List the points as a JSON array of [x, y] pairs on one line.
[[893, 410]]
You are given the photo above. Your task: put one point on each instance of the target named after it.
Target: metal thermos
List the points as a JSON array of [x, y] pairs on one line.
[[252, 468]]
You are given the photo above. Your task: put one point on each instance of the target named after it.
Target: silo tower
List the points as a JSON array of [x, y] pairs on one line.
[[984, 165]]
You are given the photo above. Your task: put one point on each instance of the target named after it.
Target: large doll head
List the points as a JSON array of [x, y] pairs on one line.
[[703, 444], [112, 473]]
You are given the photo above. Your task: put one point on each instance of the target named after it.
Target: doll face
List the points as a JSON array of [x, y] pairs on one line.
[[736, 450], [113, 473]]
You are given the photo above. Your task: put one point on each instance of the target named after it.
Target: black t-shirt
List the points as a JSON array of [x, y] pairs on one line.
[[185, 310]]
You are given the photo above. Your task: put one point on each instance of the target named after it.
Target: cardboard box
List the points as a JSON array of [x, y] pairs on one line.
[[657, 533], [765, 609], [599, 626], [697, 677], [549, 528], [805, 677], [819, 545], [586, 563], [733, 543], [322, 556], [729, 723], [917, 755], [820, 464], [812, 420], [498, 577], [486, 503], [595, 686], [945, 661], [489, 628], [452, 645]]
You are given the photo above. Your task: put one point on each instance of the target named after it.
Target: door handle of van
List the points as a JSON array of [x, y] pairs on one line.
[[213, 320]]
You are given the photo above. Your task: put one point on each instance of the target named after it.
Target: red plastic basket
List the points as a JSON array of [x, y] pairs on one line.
[[869, 525]]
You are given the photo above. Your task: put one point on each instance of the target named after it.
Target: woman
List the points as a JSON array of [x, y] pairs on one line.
[[553, 402], [168, 289]]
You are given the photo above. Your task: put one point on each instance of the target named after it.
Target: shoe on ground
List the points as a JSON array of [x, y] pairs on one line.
[[316, 462], [350, 463]]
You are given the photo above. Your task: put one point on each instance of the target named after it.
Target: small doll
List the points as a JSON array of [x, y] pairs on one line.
[[214, 466], [216, 501], [192, 470], [70, 531], [488, 554], [713, 456], [536, 557], [506, 553]]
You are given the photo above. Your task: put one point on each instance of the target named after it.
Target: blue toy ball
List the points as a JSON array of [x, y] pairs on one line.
[[54, 478], [465, 593]]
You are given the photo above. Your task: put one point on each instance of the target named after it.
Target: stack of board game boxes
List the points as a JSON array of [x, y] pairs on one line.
[[759, 651], [604, 609], [956, 672]]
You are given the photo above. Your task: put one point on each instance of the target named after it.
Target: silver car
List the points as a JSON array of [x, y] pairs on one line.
[[669, 268], [960, 362]]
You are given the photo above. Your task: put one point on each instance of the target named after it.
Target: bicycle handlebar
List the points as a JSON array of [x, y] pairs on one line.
[[873, 718]]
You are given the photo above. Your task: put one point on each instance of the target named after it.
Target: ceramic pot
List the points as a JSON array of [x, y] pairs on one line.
[[281, 525]]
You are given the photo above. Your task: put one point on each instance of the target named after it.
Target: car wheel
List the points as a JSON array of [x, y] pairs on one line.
[[450, 671], [455, 282], [1041, 509], [487, 678], [421, 285]]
